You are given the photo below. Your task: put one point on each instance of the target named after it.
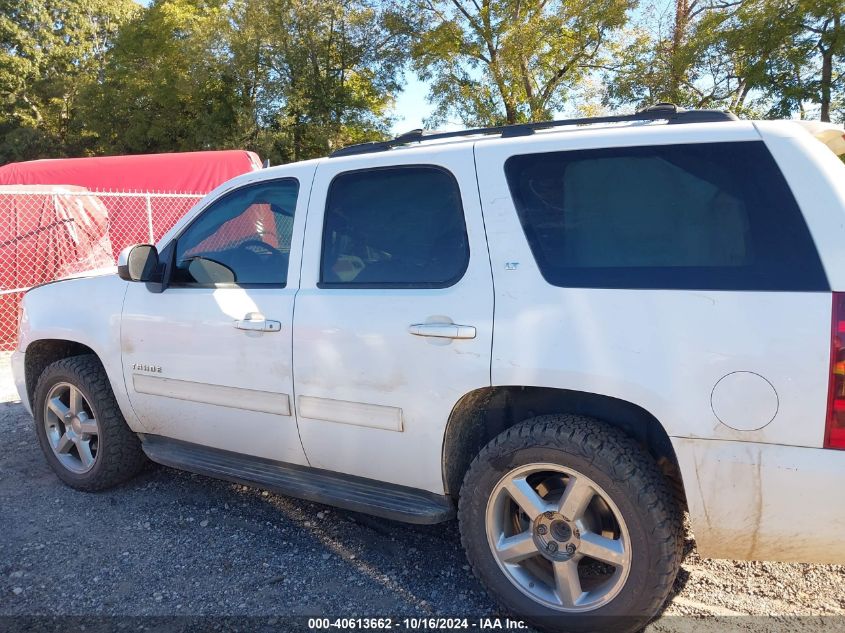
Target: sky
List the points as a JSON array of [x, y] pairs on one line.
[[411, 105]]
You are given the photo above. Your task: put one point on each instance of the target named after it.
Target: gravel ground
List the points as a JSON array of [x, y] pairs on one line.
[[175, 543]]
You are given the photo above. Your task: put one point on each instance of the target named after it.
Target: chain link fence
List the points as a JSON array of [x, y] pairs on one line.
[[47, 233]]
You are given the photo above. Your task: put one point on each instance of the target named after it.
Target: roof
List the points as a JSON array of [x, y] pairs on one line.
[[185, 172], [667, 112]]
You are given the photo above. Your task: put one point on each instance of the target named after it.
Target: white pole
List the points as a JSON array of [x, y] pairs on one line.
[[150, 218]]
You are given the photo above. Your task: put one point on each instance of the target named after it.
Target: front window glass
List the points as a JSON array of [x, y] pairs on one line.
[[243, 238]]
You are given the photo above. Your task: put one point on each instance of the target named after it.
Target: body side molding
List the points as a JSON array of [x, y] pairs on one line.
[[374, 416], [220, 395]]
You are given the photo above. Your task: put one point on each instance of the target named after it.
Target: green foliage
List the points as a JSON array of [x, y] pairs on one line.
[[764, 58], [165, 85], [48, 50], [289, 78], [809, 67], [325, 73], [293, 79], [506, 61]]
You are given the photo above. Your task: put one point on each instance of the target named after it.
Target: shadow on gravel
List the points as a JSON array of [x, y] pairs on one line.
[[175, 543], [172, 543]]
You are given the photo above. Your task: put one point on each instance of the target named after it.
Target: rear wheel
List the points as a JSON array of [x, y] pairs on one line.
[[80, 427], [570, 525]]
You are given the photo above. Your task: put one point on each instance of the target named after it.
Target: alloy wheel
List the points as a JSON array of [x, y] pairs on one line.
[[71, 427], [558, 537]]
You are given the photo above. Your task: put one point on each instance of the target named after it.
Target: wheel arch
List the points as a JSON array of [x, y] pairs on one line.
[[42, 353], [482, 414]]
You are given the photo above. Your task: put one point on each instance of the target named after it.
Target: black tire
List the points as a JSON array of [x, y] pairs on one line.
[[119, 455], [627, 474]]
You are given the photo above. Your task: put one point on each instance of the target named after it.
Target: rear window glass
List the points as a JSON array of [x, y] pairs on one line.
[[715, 216]]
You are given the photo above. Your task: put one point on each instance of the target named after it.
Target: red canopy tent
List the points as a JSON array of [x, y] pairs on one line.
[[186, 172], [54, 223]]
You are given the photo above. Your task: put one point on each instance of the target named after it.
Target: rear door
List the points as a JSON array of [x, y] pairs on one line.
[[393, 320], [208, 360], [667, 266]]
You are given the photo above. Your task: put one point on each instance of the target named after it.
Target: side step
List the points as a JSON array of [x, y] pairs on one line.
[[322, 486]]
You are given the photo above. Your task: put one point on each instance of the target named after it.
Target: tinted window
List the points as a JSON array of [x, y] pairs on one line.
[[705, 216], [399, 226], [243, 238]]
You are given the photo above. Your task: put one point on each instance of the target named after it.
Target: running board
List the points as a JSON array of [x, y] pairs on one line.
[[322, 486]]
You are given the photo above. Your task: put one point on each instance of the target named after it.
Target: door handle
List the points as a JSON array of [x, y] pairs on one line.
[[442, 330], [255, 322]]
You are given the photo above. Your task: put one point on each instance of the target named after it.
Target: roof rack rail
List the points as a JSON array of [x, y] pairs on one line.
[[661, 111]]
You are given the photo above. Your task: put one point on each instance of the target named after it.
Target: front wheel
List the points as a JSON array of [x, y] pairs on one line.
[[80, 427], [570, 524]]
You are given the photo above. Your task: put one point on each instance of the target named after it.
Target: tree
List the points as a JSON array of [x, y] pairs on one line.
[[691, 59], [815, 54], [330, 70], [769, 58], [167, 85], [290, 79], [49, 49], [506, 61]]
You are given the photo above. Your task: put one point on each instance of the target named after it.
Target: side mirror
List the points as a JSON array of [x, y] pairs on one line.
[[138, 263]]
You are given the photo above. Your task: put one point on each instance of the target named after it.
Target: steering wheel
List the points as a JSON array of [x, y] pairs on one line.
[[255, 261], [259, 247]]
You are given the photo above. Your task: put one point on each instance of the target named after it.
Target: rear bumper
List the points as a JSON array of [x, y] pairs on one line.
[[764, 501], [19, 375]]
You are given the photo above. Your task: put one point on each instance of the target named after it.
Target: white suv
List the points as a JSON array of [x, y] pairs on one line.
[[565, 333]]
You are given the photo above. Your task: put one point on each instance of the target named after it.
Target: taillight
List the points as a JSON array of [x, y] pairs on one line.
[[834, 436]]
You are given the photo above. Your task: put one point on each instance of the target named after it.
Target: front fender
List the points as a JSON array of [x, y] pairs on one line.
[[85, 311]]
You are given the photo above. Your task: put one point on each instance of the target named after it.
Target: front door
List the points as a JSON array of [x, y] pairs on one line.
[[394, 316], [208, 360]]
